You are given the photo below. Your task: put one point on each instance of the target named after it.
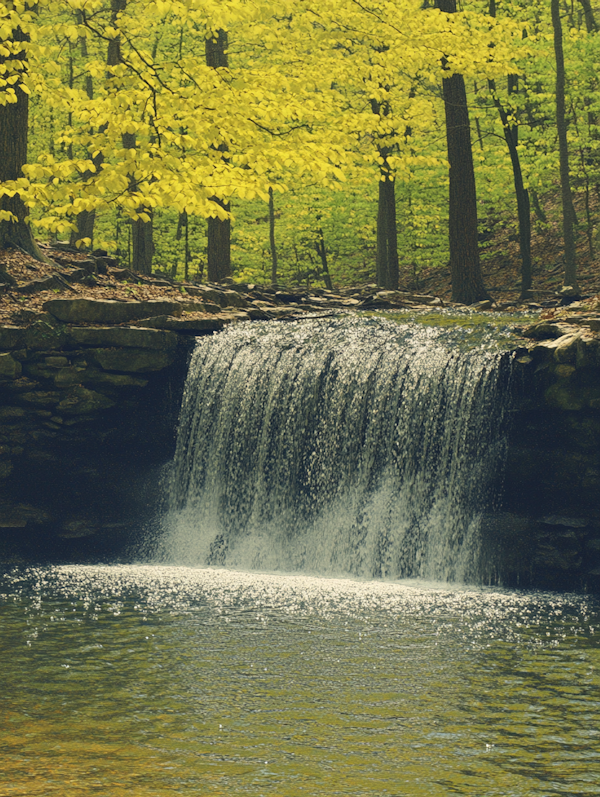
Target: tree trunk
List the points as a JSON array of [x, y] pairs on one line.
[[511, 136], [465, 266], [216, 50], [142, 246], [522, 195], [539, 210], [85, 222], [183, 230], [590, 20], [219, 231], [321, 250], [272, 238], [86, 219], [386, 256], [218, 252], [387, 237], [14, 124], [570, 280], [114, 44]]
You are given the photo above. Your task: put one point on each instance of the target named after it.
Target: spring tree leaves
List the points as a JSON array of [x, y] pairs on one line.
[[295, 104]]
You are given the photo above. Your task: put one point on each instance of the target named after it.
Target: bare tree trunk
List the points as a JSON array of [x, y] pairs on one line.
[[321, 250], [511, 136], [142, 246], [272, 245], [219, 231], [183, 229], [570, 280], [590, 20], [477, 124], [386, 257], [522, 195], [465, 266], [14, 124], [387, 236], [539, 210], [218, 252]]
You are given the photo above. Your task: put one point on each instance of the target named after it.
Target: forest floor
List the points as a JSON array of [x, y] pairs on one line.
[[36, 282], [500, 260]]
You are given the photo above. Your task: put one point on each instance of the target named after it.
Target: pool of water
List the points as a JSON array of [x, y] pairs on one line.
[[464, 327], [144, 680]]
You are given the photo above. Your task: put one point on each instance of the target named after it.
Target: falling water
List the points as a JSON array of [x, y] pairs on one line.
[[336, 446]]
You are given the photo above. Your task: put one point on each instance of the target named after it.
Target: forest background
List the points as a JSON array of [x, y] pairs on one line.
[[298, 141]]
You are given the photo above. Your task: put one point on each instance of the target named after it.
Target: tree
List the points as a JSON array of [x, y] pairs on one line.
[[142, 245], [511, 135], [321, 251], [465, 266], [387, 267], [272, 245], [570, 279], [171, 129], [14, 122], [219, 229], [84, 223]]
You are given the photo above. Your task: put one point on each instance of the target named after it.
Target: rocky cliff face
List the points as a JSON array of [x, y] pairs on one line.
[[86, 413], [547, 533]]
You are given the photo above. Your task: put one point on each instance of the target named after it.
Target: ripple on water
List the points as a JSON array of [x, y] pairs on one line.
[[161, 680]]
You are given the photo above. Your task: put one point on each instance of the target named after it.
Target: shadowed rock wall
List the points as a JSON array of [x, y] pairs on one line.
[[87, 420], [547, 532]]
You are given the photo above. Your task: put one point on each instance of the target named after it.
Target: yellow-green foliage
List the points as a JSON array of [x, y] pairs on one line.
[[298, 110]]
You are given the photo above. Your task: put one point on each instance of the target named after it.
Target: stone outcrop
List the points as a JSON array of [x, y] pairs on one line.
[[549, 534], [107, 311], [84, 411]]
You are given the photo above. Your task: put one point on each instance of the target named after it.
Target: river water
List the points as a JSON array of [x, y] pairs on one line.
[[157, 680]]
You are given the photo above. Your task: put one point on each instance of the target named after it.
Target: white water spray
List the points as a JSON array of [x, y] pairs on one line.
[[339, 446]]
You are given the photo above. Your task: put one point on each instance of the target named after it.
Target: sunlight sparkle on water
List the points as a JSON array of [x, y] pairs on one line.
[[163, 680]]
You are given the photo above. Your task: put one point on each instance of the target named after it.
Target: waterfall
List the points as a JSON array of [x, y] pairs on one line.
[[346, 445]]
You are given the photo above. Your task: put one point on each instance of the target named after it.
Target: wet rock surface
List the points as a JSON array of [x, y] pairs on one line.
[[86, 414]]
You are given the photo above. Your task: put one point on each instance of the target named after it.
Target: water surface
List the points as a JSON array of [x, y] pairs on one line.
[[162, 680]]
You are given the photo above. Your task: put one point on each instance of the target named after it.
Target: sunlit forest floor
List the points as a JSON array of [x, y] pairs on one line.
[[501, 264]]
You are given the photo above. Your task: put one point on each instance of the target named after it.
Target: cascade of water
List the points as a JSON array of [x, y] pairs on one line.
[[340, 446]]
